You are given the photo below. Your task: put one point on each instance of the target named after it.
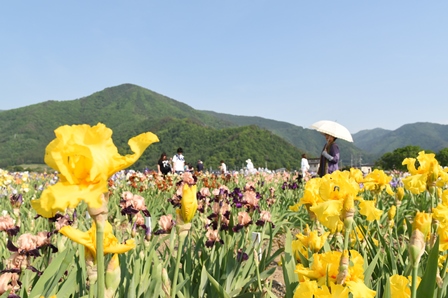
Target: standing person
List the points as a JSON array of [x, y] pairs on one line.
[[163, 165], [250, 166], [179, 162], [305, 166], [223, 167], [200, 166], [329, 158]]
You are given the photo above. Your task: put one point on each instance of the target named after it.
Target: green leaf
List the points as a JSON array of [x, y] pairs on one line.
[[219, 290], [428, 283], [387, 291], [49, 280], [69, 287], [289, 265], [368, 272]]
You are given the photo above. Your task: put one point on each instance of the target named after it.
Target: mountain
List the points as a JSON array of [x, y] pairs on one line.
[[211, 136], [429, 136], [129, 110], [308, 140]]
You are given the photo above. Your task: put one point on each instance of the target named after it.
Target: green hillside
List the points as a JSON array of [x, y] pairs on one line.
[[129, 110]]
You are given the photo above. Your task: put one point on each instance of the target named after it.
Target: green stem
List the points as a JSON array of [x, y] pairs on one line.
[[100, 258], [414, 282], [176, 269]]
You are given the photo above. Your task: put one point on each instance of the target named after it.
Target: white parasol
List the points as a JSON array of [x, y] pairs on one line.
[[333, 129]]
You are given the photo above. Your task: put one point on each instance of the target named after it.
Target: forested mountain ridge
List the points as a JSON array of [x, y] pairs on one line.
[[129, 110]]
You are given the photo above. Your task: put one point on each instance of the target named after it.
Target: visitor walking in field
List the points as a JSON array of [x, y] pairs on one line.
[[329, 158], [163, 165], [305, 167], [179, 162]]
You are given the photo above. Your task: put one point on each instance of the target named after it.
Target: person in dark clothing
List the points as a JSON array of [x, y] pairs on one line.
[[329, 158], [200, 166], [163, 165]]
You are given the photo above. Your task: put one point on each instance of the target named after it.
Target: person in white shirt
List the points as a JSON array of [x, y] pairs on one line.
[[179, 162], [305, 166], [223, 167]]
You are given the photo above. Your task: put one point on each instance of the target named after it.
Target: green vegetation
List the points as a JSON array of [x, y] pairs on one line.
[[129, 110]]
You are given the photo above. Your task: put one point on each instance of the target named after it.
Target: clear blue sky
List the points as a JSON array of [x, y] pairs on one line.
[[364, 64]]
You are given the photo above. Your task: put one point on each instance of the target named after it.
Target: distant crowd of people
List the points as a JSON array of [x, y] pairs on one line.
[[177, 164], [328, 162]]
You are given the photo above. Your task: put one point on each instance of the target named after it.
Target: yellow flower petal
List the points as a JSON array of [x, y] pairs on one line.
[[189, 202], [88, 239], [85, 157]]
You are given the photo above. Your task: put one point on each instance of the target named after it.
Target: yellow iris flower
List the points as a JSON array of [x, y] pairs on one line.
[[400, 286], [428, 174], [189, 203], [377, 181], [336, 190], [368, 209], [85, 158], [88, 239], [324, 270], [310, 289], [422, 222]]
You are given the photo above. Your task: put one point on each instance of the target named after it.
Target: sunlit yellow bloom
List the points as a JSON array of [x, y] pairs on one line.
[[88, 239], [377, 180], [391, 213], [442, 231], [441, 211], [400, 285], [310, 240], [328, 214], [368, 209], [336, 191], [189, 202], [399, 193], [324, 270], [441, 261], [311, 192], [415, 183], [306, 289], [422, 222], [356, 174], [428, 174], [85, 158], [359, 289], [311, 289]]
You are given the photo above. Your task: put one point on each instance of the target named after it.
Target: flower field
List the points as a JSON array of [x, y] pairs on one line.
[[94, 228]]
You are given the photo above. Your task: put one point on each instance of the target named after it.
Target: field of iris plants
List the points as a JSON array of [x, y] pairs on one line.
[[95, 228]]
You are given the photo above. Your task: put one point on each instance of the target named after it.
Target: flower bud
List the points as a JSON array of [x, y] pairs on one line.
[[416, 247], [113, 274], [343, 268]]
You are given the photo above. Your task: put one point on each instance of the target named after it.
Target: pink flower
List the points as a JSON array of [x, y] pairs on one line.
[[166, 224], [244, 219], [27, 242]]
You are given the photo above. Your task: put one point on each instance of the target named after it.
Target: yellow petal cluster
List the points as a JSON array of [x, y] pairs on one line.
[[377, 181], [331, 194], [429, 173], [88, 239], [85, 157], [324, 270], [422, 222]]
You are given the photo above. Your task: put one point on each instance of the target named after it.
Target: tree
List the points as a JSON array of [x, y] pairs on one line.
[[442, 157]]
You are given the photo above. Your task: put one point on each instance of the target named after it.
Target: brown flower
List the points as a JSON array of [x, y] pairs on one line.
[[9, 281], [6, 223], [244, 219], [27, 242]]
